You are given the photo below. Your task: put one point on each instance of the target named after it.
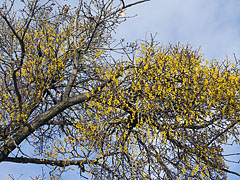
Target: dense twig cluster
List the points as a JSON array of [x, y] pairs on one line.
[[161, 113]]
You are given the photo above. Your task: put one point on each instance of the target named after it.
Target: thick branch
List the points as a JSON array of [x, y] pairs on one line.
[[77, 55], [126, 6], [21, 42], [60, 163], [42, 119], [26, 129], [135, 3]]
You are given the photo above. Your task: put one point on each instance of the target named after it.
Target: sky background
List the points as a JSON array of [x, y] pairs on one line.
[[213, 25]]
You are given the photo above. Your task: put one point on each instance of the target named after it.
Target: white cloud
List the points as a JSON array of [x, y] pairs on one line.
[[213, 25]]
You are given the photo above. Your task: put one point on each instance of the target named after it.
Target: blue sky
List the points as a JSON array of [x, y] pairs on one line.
[[212, 25]]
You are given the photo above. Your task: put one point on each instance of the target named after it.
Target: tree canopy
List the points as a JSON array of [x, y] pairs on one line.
[[73, 96]]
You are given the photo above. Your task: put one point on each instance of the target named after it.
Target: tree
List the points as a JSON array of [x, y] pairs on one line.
[[157, 113]]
